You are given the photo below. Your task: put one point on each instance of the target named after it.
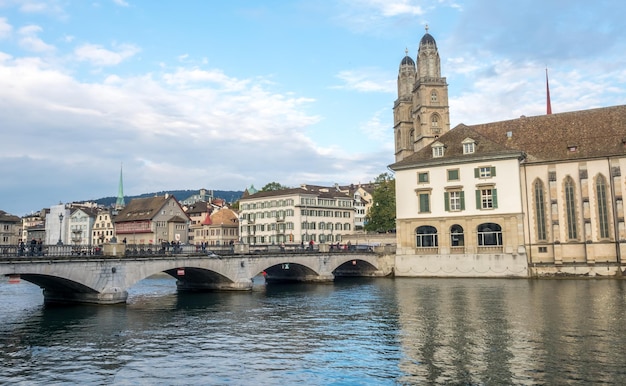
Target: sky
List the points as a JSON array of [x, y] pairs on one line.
[[223, 95]]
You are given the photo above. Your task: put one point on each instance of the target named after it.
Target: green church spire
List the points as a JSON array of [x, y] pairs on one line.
[[119, 204]]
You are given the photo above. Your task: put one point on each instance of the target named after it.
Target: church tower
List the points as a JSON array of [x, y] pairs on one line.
[[421, 112]]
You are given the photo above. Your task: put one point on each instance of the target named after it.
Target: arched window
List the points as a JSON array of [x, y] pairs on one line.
[[603, 213], [540, 211], [489, 234], [457, 239], [433, 96], [570, 208], [426, 236], [434, 120]]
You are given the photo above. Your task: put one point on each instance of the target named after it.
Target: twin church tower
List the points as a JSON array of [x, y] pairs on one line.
[[421, 112]]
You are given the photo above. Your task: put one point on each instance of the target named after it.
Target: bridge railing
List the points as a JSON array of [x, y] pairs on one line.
[[27, 252], [41, 250]]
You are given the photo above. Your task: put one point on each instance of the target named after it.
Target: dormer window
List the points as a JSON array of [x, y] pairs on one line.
[[438, 149], [469, 146]]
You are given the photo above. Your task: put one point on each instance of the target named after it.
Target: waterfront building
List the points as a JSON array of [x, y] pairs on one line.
[[363, 200], [459, 209], [151, 221], [33, 225], [103, 230], [56, 224], [296, 215], [529, 196], [221, 227], [81, 224], [197, 212], [572, 187], [10, 229]]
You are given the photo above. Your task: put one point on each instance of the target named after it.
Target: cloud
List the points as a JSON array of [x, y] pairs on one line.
[[5, 28], [184, 128], [121, 3], [99, 56], [366, 80], [29, 39]]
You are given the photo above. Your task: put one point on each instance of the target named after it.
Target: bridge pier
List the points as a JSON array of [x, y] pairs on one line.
[[110, 296], [242, 285]]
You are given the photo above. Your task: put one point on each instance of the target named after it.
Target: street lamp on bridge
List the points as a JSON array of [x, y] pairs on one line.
[[60, 228]]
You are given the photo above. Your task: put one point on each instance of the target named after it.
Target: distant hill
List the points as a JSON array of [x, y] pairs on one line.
[[228, 195]]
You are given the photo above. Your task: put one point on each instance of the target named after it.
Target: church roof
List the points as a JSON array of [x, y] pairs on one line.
[[428, 39], [452, 141], [407, 61], [593, 133]]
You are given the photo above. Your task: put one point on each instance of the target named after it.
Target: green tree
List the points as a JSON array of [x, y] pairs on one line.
[[381, 216], [273, 186]]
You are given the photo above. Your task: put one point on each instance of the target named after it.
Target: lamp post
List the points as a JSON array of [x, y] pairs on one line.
[[60, 228]]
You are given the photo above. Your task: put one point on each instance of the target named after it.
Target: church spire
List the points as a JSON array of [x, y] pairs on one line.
[[119, 204]]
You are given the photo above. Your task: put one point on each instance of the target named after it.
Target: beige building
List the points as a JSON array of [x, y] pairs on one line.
[[220, 228], [10, 229], [572, 188], [297, 215], [529, 196], [103, 230], [151, 221], [459, 209]]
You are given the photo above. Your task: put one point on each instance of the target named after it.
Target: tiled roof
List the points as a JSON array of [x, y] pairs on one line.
[[224, 216], [319, 191], [453, 149], [583, 134], [556, 137], [6, 218], [141, 209]]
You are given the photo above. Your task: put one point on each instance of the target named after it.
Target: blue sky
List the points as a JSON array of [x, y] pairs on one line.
[[224, 94]]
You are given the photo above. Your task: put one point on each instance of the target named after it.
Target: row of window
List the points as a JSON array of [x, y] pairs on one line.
[[569, 190], [469, 147], [481, 172], [488, 234], [454, 200], [267, 204]]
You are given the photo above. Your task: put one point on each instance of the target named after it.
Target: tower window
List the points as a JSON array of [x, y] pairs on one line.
[[434, 121], [433, 96]]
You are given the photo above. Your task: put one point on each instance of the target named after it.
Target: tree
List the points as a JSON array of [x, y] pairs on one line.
[[273, 186], [381, 216]]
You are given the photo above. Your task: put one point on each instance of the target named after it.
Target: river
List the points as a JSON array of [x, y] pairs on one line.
[[353, 332]]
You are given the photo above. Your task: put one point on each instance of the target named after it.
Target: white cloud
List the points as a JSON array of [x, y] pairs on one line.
[[121, 3], [366, 80], [29, 39], [99, 56], [5, 28]]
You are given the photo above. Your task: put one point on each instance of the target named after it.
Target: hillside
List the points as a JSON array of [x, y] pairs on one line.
[[229, 196]]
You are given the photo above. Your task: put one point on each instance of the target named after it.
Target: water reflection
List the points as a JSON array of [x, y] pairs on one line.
[[376, 331]]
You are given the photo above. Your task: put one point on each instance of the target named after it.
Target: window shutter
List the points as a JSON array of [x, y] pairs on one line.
[[494, 192], [493, 171], [476, 173], [446, 200], [478, 199], [462, 200]]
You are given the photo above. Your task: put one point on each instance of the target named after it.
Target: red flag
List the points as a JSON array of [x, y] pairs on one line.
[[548, 104]]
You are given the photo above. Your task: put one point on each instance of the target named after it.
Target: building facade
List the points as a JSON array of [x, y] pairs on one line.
[[531, 196], [297, 215], [10, 229], [152, 221], [459, 209]]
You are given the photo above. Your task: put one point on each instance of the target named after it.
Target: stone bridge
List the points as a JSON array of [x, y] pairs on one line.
[[106, 279]]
